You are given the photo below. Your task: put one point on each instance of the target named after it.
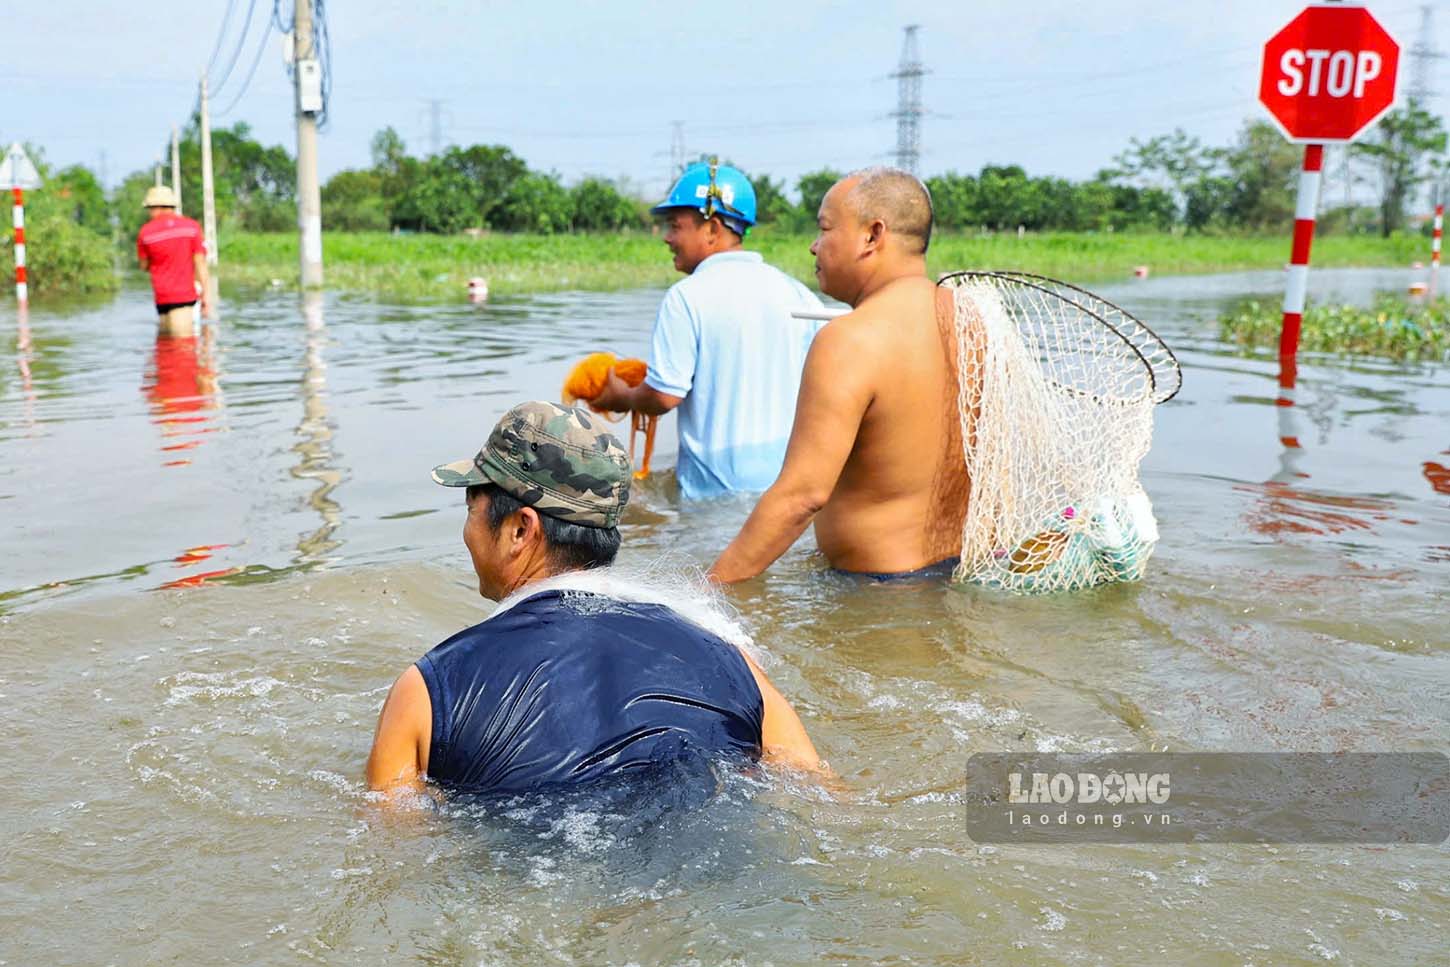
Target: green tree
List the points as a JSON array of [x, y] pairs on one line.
[[536, 203], [68, 239], [1169, 162], [255, 185], [1143, 208], [813, 187], [771, 203], [954, 200], [79, 193], [1403, 144], [1264, 170], [491, 170], [1207, 202], [352, 201], [440, 200], [1003, 194], [397, 174], [600, 206]]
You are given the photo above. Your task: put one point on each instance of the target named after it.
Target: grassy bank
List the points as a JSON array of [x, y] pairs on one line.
[[1393, 327], [429, 267]]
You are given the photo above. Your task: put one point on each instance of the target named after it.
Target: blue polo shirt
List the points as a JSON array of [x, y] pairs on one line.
[[725, 340]]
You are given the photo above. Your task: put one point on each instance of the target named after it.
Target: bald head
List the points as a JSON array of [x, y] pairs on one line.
[[895, 197]]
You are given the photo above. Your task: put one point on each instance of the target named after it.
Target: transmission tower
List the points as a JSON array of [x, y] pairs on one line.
[[908, 103], [1422, 60], [677, 148], [436, 120]]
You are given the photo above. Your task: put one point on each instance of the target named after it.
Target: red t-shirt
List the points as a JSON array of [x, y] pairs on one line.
[[168, 244]]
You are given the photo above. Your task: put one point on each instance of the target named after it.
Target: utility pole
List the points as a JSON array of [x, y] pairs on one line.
[[208, 184], [176, 168], [307, 76], [908, 103]]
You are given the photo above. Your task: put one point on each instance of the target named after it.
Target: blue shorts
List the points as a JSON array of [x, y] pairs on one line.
[[932, 572]]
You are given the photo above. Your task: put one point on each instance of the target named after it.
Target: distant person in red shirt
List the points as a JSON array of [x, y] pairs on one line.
[[170, 247]]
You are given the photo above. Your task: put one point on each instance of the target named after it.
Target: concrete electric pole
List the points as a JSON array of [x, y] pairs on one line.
[[208, 183], [176, 168], [307, 74]]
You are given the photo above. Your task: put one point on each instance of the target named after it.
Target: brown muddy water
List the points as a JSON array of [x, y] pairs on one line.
[[212, 571]]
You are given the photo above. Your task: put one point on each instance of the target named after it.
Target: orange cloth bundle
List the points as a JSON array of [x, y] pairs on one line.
[[587, 380], [589, 376]]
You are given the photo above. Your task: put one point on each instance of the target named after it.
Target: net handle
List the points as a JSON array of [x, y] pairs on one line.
[[1177, 368], [1033, 280]]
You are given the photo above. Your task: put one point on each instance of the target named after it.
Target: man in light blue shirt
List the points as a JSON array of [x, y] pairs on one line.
[[726, 350]]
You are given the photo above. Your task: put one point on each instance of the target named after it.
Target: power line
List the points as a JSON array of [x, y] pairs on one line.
[[216, 86], [220, 36], [322, 50], [908, 103], [251, 72]]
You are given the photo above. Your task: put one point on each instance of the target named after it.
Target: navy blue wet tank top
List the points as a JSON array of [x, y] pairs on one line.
[[567, 687]]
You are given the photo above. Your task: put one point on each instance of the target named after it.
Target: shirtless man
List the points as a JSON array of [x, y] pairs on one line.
[[875, 455]]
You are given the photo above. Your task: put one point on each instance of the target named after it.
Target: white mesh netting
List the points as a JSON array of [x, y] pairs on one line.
[[1057, 389]]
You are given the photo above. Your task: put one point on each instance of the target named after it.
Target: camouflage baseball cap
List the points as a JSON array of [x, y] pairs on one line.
[[557, 459]]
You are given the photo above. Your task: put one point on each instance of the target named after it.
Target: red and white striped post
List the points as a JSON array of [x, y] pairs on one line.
[[22, 288], [1435, 241], [1305, 206]]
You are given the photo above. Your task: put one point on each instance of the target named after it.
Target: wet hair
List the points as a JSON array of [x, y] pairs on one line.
[[896, 197], [571, 546]]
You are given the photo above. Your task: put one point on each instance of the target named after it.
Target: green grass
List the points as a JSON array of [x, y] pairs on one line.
[[436, 268], [1392, 327]]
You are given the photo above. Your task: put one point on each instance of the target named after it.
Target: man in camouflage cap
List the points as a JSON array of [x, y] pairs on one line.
[[555, 459], [566, 683]]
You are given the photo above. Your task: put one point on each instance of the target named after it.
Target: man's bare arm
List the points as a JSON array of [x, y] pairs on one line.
[[783, 738], [836, 389], [620, 397], [199, 271], [399, 757]]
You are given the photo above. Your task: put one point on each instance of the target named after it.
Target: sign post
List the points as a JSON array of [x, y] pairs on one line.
[[18, 173], [1327, 76], [1435, 240]]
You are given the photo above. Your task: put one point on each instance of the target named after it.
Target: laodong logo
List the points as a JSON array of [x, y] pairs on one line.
[[1088, 788]]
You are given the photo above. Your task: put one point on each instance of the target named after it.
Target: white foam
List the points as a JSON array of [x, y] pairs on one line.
[[679, 586]]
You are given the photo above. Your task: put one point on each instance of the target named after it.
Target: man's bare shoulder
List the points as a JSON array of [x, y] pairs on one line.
[[884, 310]]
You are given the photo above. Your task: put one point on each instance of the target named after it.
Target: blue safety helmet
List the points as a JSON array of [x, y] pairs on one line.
[[711, 189]]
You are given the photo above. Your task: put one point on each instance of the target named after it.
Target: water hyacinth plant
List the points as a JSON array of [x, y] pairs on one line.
[[1393, 327]]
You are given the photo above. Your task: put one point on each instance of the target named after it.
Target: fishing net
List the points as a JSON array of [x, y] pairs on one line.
[[1057, 389]]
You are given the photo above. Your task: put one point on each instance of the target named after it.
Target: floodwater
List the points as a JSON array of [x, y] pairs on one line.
[[217, 557]]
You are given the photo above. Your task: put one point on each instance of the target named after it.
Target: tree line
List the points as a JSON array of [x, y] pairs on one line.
[[1173, 182]]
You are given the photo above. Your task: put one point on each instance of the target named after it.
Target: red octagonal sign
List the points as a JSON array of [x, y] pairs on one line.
[[1329, 74]]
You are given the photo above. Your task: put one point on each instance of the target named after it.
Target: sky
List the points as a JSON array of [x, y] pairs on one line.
[[593, 88]]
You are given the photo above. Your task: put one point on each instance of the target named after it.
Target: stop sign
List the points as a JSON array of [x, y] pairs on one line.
[[1329, 74]]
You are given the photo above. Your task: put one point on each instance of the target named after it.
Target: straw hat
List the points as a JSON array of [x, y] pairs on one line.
[[159, 197]]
